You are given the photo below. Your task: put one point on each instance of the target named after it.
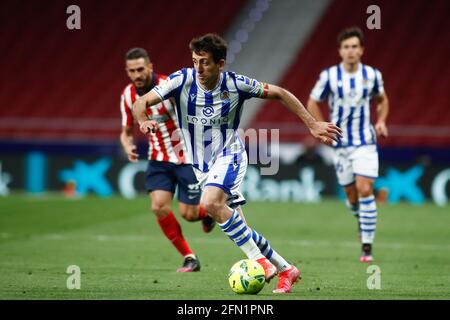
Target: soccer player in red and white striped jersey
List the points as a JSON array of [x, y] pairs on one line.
[[161, 146], [167, 166]]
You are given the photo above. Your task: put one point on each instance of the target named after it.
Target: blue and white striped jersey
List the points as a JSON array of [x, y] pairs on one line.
[[349, 97], [209, 119]]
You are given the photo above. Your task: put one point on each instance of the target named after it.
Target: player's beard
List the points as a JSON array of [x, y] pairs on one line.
[[146, 85]]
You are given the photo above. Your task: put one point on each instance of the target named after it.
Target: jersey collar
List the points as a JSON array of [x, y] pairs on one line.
[[341, 65]]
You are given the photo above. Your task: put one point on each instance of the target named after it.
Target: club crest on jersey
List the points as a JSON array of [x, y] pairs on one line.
[[208, 111], [224, 95]]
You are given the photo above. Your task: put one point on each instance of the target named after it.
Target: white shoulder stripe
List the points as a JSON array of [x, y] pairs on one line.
[[127, 94], [123, 112]]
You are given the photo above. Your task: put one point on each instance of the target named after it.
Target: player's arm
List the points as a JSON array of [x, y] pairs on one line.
[[127, 141], [324, 131], [382, 102], [126, 135], [318, 94], [314, 108], [381, 99], [140, 112]]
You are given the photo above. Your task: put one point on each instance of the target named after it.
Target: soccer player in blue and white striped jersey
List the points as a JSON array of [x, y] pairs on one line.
[[349, 87], [209, 105]]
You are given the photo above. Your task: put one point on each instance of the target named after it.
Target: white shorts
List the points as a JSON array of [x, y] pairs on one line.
[[226, 173], [355, 161]]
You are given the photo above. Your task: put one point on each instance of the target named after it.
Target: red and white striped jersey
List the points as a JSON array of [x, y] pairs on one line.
[[165, 144]]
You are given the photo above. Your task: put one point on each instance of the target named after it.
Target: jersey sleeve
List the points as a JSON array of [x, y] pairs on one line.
[[167, 88], [251, 88], [321, 88], [127, 116], [378, 86]]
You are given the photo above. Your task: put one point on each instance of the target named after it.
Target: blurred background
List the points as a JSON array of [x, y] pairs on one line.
[[59, 96]]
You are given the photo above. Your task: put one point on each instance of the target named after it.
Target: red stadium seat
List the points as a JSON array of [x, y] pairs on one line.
[[72, 79]]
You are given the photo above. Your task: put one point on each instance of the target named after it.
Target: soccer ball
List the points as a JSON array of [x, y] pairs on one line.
[[246, 277]]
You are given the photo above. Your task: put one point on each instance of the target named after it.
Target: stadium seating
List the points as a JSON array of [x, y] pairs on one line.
[[61, 84], [411, 50]]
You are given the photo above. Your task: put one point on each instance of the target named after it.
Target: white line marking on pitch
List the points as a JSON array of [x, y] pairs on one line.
[[304, 243], [300, 242]]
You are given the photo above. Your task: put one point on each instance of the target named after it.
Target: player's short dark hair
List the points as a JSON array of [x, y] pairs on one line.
[[350, 33], [137, 53], [211, 43]]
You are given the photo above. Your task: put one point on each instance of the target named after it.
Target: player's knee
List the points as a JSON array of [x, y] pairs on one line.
[[365, 190], [211, 205], [160, 209], [189, 213]]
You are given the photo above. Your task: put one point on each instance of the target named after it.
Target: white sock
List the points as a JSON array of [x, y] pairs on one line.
[[236, 229], [367, 218]]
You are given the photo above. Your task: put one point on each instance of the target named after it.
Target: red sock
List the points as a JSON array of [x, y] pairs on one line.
[[172, 230], [202, 214]]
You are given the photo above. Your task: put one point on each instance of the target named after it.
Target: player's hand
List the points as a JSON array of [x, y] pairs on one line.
[[326, 132], [149, 126], [132, 154], [381, 129]]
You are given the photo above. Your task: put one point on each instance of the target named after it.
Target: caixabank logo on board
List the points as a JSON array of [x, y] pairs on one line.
[[38, 172]]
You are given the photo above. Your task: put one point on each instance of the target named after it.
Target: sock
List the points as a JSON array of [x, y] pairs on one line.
[[354, 208], [172, 230], [263, 244], [202, 214], [241, 235], [367, 218]]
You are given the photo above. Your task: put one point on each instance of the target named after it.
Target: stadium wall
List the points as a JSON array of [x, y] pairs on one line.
[[82, 171]]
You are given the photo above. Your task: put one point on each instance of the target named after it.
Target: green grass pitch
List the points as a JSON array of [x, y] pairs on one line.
[[123, 254]]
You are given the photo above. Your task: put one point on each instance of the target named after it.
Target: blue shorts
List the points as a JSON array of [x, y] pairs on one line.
[[166, 176]]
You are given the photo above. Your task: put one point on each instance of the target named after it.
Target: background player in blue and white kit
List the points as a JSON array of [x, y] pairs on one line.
[[209, 104], [350, 86]]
